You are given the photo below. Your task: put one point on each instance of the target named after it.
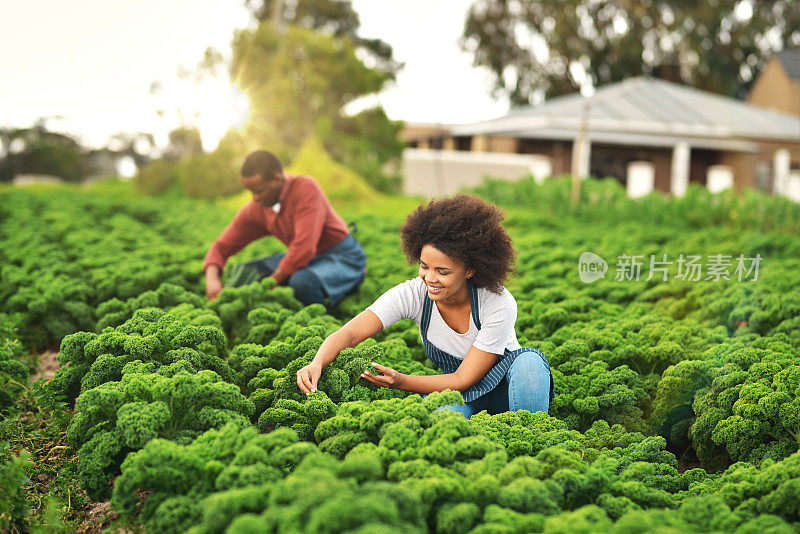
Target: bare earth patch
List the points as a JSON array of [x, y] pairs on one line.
[[48, 365], [98, 517]]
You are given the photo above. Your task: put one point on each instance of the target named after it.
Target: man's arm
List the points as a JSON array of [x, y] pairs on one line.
[[213, 282], [243, 229]]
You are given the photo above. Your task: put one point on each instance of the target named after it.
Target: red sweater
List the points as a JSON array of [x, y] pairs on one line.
[[306, 223]]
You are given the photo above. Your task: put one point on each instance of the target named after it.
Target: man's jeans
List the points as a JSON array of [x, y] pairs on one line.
[[526, 386]]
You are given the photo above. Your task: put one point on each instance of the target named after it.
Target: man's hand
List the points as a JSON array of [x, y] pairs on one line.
[[389, 379], [307, 378], [213, 282]]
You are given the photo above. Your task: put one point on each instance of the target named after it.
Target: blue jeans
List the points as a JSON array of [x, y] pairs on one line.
[[307, 287], [526, 386]]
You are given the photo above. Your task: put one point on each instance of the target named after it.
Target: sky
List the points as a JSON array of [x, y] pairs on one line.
[[88, 66]]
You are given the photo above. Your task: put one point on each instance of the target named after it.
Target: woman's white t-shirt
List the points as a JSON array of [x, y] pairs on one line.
[[497, 313]]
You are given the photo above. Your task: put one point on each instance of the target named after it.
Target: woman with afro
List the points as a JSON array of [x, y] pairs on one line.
[[465, 315]]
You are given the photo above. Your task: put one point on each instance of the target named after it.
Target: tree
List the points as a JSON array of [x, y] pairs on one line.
[[37, 150], [543, 48], [331, 17], [184, 142], [194, 174], [136, 145], [366, 142], [298, 80], [316, 61]]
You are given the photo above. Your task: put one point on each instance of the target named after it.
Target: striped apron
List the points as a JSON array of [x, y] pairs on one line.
[[449, 363]]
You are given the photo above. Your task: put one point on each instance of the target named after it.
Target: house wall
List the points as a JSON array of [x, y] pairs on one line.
[[503, 145], [768, 148], [750, 170], [443, 172], [478, 143], [463, 142], [417, 133], [612, 160], [743, 166], [766, 157], [559, 152], [773, 89], [700, 160]]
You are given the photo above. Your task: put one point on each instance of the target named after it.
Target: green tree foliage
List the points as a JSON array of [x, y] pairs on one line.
[[532, 47], [157, 177], [298, 74], [298, 82], [37, 150], [187, 169], [369, 143], [293, 79], [135, 145], [184, 142], [333, 17], [210, 175]]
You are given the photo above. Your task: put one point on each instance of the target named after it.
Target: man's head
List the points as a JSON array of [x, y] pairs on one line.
[[262, 175]]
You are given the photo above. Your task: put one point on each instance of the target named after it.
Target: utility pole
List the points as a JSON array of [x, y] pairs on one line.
[[277, 15], [577, 158]]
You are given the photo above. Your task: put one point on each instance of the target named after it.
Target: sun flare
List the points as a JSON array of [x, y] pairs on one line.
[[213, 106]]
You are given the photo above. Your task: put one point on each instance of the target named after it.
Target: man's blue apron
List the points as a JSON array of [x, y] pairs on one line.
[[340, 268], [449, 363]]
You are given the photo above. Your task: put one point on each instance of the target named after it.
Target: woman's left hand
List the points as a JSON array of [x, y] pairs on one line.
[[389, 379]]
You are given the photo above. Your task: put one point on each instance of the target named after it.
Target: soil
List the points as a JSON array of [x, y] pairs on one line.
[[48, 365], [99, 515], [94, 517]]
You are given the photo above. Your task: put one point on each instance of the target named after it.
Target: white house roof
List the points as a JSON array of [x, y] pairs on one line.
[[646, 111]]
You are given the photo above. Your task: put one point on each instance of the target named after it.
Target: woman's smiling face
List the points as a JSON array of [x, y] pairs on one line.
[[445, 278]]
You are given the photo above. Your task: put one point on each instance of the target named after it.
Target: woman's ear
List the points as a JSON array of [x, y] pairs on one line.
[[470, 273]]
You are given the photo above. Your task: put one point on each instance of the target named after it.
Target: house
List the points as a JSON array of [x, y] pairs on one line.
[[102, 163], [648, 133], [778, 85]]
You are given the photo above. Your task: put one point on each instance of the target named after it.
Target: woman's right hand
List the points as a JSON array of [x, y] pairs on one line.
[[357, 329], [307, 378]]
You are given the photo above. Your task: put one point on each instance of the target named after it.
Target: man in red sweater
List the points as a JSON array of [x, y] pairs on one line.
[[323, 259]]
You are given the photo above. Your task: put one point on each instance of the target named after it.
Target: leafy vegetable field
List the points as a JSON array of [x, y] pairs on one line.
[[677, 402]]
